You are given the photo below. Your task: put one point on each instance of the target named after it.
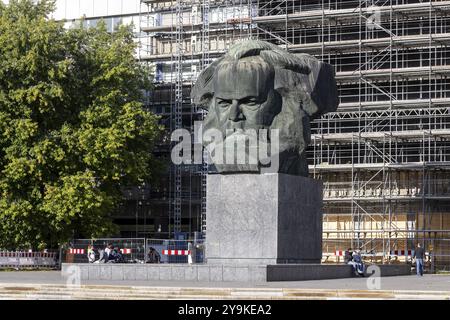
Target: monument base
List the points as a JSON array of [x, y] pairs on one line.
[[263, 219], [221, 273]]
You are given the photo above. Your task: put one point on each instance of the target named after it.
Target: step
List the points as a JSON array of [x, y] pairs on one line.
[[117, 292]]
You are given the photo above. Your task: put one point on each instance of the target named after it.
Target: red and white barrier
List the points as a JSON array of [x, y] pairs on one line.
[[402, 252], [82, 251], [22, 254], [76, 251], [176, 252], [341, 253]]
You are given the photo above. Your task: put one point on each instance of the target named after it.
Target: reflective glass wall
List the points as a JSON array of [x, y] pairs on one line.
[[75, 9]]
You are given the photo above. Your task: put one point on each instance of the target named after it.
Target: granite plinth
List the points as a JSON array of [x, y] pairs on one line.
[[263, 219], [220, 273]]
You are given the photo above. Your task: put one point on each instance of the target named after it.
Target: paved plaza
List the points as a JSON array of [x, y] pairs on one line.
[[412, 283]]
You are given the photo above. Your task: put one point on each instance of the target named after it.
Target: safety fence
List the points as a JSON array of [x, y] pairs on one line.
[[132, 250], [28, 259], [391, 251], [178, 251], [440, 254], [379, 250], [136, 250]]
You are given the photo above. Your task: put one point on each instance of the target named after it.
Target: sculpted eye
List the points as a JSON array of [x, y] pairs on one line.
[[252, 103]]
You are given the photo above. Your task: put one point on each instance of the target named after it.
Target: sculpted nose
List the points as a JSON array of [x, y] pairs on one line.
[[235, 111]]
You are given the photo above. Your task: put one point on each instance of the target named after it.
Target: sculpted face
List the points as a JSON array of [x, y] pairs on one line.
[[258, 88], [244, 95]]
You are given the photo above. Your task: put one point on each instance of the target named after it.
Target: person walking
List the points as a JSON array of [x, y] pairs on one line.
[[419, 254]]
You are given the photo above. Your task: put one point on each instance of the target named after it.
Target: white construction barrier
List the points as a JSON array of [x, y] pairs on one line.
[[19, 259]]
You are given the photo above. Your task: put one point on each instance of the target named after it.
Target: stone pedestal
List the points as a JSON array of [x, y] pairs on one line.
[[263, 219], [218, 273]]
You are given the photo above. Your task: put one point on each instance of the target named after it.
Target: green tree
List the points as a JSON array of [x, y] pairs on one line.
[[73, 131]]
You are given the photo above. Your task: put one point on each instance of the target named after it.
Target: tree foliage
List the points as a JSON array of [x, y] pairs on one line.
[[72, 128]]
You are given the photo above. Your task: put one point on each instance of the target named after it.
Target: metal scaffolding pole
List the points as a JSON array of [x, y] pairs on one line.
[[178, 110]]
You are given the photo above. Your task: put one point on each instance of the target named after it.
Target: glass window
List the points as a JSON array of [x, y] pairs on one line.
[[136, 27], [166, 20], [109, 24], [92, 23], [127, 20], [116, 22], [68, 25], [156, 19]]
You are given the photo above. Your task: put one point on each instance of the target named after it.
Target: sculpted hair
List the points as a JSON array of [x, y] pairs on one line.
[[311, 80]]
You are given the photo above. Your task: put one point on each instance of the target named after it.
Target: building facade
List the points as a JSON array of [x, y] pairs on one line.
[[384, 156]]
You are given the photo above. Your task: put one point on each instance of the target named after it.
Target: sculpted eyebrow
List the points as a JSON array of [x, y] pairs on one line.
[[223, 100]]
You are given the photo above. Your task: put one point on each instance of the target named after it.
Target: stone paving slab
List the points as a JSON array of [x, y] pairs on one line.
[[412, 282]]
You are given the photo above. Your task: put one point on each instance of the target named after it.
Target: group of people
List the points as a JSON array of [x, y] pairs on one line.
[[109, 254], [354, 259], [112, 254]]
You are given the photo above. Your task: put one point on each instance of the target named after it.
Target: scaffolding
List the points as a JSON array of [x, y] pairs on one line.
[[205, 61], [174, 81], [384, 155]]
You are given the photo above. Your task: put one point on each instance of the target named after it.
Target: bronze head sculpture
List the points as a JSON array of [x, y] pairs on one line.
[[257, 85]]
